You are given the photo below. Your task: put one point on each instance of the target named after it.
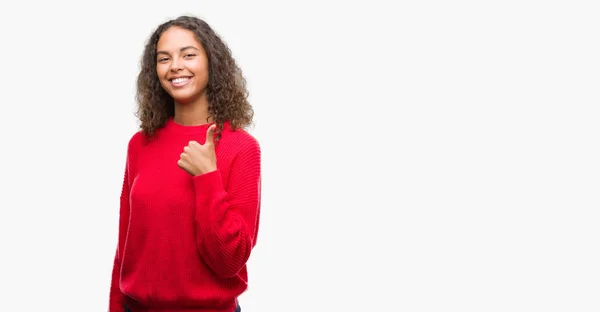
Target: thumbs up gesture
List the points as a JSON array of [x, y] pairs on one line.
[[198, 159]]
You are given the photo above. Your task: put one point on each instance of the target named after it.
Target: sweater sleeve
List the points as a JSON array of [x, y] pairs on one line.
[[116, 297], [227, 219]]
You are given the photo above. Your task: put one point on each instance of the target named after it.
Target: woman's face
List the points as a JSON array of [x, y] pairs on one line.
[[182, 65]]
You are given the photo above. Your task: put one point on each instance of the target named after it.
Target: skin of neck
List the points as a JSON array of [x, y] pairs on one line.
[[193, 113]]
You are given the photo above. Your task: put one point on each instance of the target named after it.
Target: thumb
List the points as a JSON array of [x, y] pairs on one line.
[[210, 134]]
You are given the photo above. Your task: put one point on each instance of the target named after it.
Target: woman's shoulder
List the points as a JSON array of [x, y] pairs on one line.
[[136, 141], [240, 139]]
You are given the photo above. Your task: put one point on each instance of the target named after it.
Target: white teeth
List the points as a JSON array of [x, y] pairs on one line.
[[180, 80]]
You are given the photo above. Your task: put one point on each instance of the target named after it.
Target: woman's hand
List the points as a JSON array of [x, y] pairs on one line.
[[198, 159]]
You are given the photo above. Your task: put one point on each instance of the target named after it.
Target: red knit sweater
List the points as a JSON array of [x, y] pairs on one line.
[[184, 241]]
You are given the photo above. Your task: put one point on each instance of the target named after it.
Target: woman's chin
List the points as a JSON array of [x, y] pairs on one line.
[[182, 99]]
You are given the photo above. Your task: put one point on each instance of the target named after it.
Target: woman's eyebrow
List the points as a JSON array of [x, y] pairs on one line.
[[180, 50]]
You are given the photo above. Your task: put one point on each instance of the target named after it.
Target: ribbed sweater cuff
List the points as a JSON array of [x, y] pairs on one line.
[[208, 185]]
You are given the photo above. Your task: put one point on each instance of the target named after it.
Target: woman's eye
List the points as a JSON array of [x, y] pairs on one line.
[[190, 55]]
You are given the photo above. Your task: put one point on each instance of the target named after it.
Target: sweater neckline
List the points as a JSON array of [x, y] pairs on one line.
[[173, 127]]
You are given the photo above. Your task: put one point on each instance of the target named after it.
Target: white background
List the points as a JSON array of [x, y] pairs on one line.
[[426, 156]]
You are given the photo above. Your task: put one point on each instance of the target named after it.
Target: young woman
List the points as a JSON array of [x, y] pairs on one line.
[[190, 202]]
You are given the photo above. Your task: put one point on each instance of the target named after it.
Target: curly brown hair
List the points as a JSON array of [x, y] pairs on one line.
[[226, 89]]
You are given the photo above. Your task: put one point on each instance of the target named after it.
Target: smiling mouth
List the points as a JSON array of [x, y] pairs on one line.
[[179, 82]]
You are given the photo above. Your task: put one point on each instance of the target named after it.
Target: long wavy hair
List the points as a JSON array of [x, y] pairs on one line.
[[226, 90]]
